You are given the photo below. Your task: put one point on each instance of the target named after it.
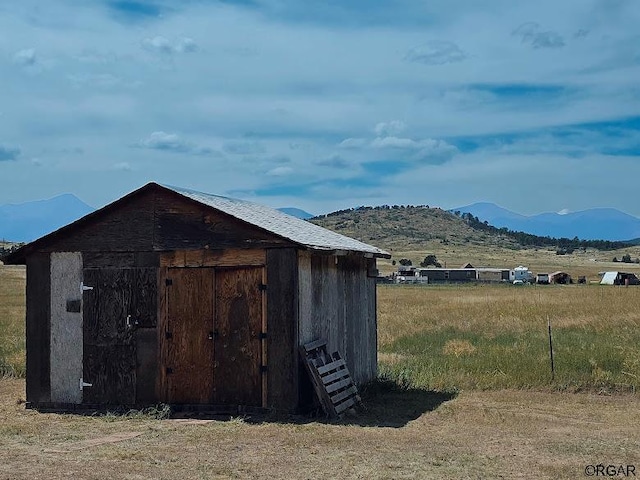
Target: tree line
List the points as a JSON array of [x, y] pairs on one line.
[[563, 245]]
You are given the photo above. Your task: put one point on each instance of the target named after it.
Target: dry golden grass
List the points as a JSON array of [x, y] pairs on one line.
[[12, 314], [406, 433], [405, 310], [505, 434], [495, 336]]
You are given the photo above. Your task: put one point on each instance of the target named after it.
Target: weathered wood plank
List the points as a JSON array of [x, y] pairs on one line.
[[182, 224], [146, 365], [332, 366], [106, 306], [214, 258], [66, 327], [38, 319], [314, 345], [237, 376], [120, 259], [129, 227], [305, 299], [162, 386], [332, 387], [282, 324], [332, 377], [348, 403], [111, 369], [189, 335], [342, 395]]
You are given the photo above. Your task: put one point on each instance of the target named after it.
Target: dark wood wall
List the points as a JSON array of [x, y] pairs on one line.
[[38, 328], [282, 329], [183, 224]]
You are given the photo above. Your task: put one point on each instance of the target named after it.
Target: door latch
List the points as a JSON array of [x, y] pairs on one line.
[[131, 323], [84, 384], [84, 288]]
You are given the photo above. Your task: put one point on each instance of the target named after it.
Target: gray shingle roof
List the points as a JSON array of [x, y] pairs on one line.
[[295, 229]]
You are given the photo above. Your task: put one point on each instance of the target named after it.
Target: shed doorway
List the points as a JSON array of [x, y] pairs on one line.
[[119, 319], [213, 341]]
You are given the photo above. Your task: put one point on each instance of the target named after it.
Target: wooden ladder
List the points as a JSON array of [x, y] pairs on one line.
[[331, 379]]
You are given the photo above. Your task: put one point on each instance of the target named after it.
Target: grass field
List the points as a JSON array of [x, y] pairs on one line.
[[491, 337], [466, 393], [12, 311]]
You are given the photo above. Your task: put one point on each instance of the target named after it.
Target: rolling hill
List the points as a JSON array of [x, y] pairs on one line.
[[409, 228]]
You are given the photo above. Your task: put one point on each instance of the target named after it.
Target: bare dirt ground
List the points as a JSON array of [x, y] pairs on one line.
[[404, 434]]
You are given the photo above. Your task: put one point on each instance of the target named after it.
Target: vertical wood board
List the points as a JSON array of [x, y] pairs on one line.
[[282, 322], [66, 328], [190, 331], [38, 317], [237, 376]]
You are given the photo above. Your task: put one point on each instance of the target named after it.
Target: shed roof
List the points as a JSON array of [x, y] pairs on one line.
[[292, 228], [296, 230]]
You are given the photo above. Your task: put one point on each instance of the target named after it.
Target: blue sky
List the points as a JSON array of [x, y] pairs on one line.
[[324, 105]]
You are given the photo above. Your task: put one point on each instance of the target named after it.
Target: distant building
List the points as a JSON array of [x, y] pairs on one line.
[[619, 278]]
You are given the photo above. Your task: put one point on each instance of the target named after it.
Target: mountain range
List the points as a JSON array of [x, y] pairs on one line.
[[592, 224], [28, 221]]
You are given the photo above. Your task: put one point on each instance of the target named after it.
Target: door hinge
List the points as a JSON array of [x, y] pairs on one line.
[[168, 282], [84, 384], [262, 287], [262, 335], [263, 369], [84, 288]]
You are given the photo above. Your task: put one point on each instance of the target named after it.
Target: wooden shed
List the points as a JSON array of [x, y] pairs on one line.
[[175, 296]]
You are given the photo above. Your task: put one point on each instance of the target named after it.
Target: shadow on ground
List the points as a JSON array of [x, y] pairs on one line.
[[384, 404], [388, 405]]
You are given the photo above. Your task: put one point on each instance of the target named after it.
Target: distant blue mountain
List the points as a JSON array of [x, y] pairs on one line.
[[593, 224], [296, 212], [28, 221]]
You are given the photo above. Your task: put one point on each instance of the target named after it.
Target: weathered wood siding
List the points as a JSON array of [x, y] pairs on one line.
[[188, 336], [282, 332], [182, 224], [66, 327], [126, 228], [38, 328], [120, 316], [237, 376], [337, 302]]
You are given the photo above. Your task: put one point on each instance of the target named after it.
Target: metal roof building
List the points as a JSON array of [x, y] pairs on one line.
[[170, 295]]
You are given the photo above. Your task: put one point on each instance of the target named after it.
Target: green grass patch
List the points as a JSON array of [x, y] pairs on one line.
[[451, 358]]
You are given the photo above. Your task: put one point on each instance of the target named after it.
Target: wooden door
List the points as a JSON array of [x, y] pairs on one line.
[[238, 322], [117, 303], [189, 335]]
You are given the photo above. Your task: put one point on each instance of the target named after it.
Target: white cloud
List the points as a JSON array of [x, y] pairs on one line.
[[353, 143], [393, 127], [163, 45], [172, 142], [394, 142], [26, 57], [280, 171], [436, 53], [122, 166], [532, 34]]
